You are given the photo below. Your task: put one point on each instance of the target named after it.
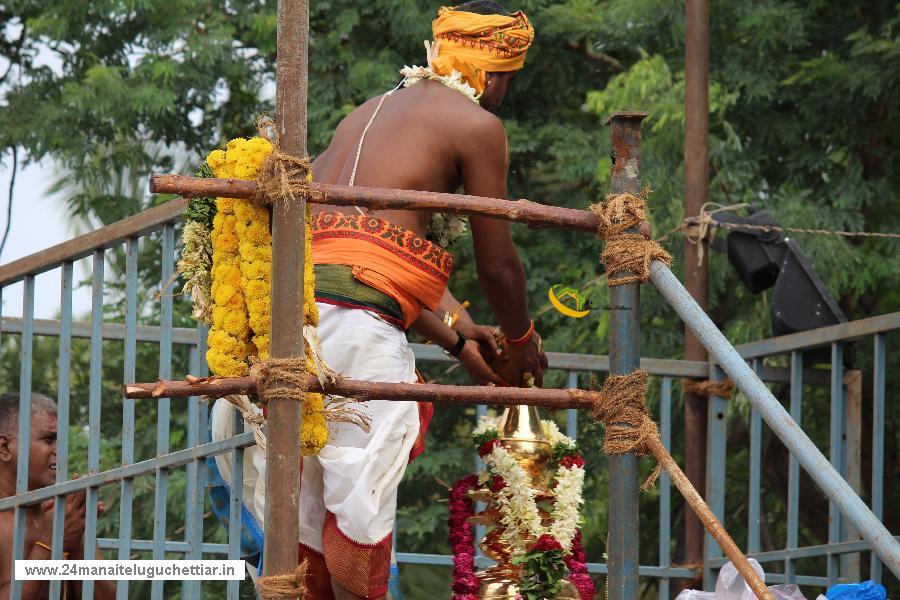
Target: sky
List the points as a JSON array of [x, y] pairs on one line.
[[38, 222]]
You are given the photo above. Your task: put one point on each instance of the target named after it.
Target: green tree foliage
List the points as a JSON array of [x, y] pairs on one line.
[[803, 122]]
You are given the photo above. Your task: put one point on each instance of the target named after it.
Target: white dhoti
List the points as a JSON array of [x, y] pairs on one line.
[[348, 493]]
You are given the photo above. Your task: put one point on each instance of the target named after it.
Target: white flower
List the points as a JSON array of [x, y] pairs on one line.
[[555, 436], [566, 505], [519, 514], [485, 424], [454, 81], [518, 509]]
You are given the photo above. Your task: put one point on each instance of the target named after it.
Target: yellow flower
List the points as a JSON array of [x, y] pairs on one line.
[[313, 431], [216, 162]]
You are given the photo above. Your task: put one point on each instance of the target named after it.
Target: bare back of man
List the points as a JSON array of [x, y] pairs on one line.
[[424, 137], [429, 137]]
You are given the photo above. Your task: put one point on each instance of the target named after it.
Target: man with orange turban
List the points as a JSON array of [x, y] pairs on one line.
[[380, 273], [475, 44]]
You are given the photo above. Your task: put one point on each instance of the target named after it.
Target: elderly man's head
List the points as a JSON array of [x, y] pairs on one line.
[[42, 446]]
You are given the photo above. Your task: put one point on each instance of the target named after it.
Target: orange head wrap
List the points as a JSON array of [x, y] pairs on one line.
[[476, 44]]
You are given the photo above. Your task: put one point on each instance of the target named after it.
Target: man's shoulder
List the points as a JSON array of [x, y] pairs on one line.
[[456, 111], [472, 116]]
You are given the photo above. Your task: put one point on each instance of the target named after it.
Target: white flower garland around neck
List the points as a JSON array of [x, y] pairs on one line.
[[454, 81]]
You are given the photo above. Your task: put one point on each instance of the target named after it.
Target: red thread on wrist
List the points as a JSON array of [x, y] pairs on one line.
[[524, 339]]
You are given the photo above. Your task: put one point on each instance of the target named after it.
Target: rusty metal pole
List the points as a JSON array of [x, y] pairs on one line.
[[624, 357], [696, 271], [288, 236]]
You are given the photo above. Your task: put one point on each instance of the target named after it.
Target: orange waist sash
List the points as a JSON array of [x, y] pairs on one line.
[[391, 259]]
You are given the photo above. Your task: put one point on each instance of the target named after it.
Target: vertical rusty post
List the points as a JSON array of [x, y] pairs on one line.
[[282, 528], [696, 271], [624, 357]]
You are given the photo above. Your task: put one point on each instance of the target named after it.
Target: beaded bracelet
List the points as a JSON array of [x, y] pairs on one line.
[[524, 339]]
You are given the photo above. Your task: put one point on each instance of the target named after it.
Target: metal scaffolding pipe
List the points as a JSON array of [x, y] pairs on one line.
[[788, 431], [624, 357], [696, 256]]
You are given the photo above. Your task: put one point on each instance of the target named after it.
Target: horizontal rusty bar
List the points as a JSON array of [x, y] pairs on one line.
[[84, 245], [823, 336], [530, 213], [217, 387]]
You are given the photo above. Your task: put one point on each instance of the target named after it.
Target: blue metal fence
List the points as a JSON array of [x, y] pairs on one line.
[[154, 232], [781, 564]]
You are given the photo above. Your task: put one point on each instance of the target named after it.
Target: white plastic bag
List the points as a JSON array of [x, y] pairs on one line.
[[731, 586]]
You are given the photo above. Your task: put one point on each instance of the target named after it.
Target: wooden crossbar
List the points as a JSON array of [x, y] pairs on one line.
[[530, 213]]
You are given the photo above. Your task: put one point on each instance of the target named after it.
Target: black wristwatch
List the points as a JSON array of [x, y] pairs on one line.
[[455, 350]]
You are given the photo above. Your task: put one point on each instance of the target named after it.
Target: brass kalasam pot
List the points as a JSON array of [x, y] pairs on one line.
[[522, 435]]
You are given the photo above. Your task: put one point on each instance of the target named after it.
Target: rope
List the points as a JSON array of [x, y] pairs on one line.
[[626, 255], [723, 389], [291, 585], [282, 378], [848, 234], [696, 235], [696, 229], [282, 176], [286, 379], [254, 419], [623, 408]]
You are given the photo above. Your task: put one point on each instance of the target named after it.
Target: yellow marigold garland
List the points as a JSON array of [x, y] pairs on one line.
[[313, 430], [241, 274]]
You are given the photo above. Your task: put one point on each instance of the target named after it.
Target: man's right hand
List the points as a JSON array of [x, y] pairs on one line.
[[42, 526], [526, 359]]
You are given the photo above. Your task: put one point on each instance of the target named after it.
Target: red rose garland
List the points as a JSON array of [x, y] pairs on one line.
[[577, 564], [465, 584]]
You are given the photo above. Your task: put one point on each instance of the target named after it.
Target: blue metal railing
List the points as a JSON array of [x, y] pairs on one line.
[[840, 544], [143, 231]]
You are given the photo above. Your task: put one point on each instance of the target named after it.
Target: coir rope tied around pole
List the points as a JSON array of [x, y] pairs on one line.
[[281, 175], [629, 428], [283, 378], [708, 388], [286, 378], [280, 587], [623, 408], [626, 254]]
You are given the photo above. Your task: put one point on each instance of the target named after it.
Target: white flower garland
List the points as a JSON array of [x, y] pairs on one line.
[[567, 505], [516, 500], [454, 81]]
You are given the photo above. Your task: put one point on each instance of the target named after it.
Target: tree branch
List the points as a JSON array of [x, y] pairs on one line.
[[583, 49]]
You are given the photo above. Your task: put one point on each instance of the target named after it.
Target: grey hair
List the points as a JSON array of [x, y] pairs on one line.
[[9, 410]]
